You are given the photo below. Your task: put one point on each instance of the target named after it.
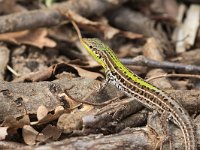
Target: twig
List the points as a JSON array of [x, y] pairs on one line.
[[4, 59], [143, 61], [13, 71], [52, 16], [174, 75], [77, 30]]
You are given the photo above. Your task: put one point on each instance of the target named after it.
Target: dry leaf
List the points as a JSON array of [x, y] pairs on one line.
[[59, 108], [41, 137], [13, 124], [63, 33], [40, 75], [72, 103], [42, 112], [51, 132], [10, 6], [171, 8], [128, 50], [36, 37], [86, 73], [165, 10], [70, 122], [50, 117], [153, 50], [75, 70], [103, 27], [29, 135], [86, 107]]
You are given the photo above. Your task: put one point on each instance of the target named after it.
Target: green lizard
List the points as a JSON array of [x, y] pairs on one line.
[[147, 94]]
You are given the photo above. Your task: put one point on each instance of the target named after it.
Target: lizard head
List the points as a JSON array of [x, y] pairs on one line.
[[97, 49]]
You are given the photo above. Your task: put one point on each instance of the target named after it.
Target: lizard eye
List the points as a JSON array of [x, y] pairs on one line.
[[90, 46]]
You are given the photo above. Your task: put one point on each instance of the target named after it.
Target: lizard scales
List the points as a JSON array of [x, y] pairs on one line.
[[147, 94]]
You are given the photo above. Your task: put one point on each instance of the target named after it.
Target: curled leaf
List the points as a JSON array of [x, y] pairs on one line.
[[103, 27], [36, 37]]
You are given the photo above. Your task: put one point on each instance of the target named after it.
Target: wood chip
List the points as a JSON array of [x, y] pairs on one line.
[[186, 33]]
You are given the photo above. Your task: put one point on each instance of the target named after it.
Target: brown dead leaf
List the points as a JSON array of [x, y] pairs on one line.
[[58, 108], [153, 50], [86, 73], [51, 132], [128, 50], [29, 135], [57, 69], [10, 6], [3, 133], [72, 103], [70, 122], [86, 108], [103, 27], [50, 117], [13, 124], [165, 10], [42, 112], [41, 137], [36, 37], [171, 8], [40, 75], [76, 70], [63, 33]]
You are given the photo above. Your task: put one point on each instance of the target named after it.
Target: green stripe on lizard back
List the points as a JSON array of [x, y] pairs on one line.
[[93, 43]]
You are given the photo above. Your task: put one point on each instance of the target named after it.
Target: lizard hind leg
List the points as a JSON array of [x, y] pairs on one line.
[[164, 120], [162, 129]]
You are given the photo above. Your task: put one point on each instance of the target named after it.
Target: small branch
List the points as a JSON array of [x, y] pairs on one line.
[[53, 16], [77, 30], [174, 75], [13, 71], [143, 61]]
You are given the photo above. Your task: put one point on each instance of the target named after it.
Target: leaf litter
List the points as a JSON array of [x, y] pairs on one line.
[[43, 124]]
